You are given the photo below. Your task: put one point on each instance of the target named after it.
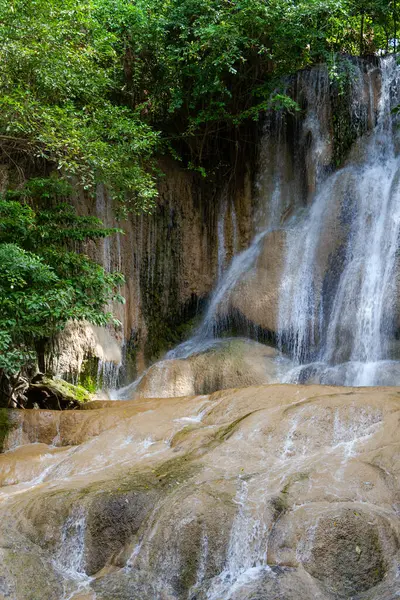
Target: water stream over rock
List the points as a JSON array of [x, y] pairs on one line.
[[260, 490], [347, 313], [266, 492], [320, 278]]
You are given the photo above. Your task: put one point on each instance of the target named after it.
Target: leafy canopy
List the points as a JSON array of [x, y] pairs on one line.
[[94, 86], [58, 80], [201, 66]]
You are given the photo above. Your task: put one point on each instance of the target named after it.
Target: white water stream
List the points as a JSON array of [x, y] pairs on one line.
[[351, 323], [338, 325], [338, 287]]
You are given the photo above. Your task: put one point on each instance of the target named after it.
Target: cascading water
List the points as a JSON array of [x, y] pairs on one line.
[[216, 319], [338, 286], [336, 289], [278, 191], [341, 317], [206, 334]]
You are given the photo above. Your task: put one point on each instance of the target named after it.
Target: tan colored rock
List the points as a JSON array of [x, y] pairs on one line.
[[258, 293], [266, 492], [229, 363], [256, 296], [79, 341]]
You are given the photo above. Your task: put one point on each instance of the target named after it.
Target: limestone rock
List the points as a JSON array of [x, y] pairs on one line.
[[229, 363], [264, 493], [256, 295], [77, 342]]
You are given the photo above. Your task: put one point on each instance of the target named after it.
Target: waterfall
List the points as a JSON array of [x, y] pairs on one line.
[[336, 288], [340, 315], [267, 218], [277, 192]]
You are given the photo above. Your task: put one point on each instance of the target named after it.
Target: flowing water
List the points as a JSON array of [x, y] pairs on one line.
[[206, 497], [217, 317], [346, 317], [337, 297], [276, 491]]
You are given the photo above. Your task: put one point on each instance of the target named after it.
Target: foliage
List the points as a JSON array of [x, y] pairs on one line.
[[57, 80], [199, 68], [44, 281], [89, 85], [342, 73]]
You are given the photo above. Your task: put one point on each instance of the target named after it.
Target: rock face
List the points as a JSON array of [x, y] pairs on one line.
[[173, 258], [229, 363], [77, 342], [256, 295], [269, 492]]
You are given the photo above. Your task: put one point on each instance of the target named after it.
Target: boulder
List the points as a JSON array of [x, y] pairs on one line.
[[272, 492], [55, 394], [229, 363], [256, 294]]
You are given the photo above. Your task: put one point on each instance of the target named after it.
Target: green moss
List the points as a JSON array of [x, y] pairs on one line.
[[280, 503], [182, 434], [189, 569], [346, 127], [88, 377], [294, 479], [67, 390], [176, 470]]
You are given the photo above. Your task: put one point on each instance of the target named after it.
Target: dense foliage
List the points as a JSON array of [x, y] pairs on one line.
[[92, 86], [57, 78], [44, 282], [202, 67]]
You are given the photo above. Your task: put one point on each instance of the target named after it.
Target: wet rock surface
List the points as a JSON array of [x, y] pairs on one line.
[[226, 363], [264, 493]]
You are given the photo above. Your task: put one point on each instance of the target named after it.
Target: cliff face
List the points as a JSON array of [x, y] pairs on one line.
[[173, 258]]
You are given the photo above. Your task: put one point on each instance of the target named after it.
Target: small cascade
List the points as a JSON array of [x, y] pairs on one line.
[[69, 560], [213, 324], [72, 548], [107, 375], [277, 193], [247, 550], [108, 371]]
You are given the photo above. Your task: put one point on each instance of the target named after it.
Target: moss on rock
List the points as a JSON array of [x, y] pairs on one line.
[[56, 394]]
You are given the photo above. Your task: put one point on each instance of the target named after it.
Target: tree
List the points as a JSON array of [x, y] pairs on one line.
[[58, 80], [44, 281], [97, 87], [200, 68]]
